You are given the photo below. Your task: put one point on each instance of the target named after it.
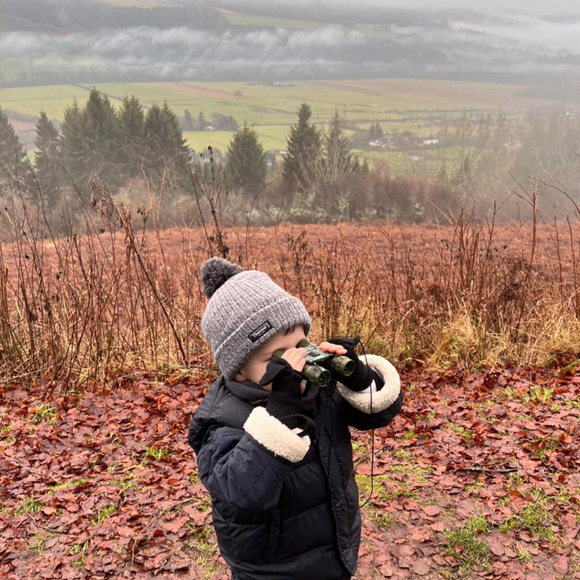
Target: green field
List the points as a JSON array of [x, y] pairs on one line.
[[417, 162], [398, 104], [272, 137], [384, 100], [238, 19]]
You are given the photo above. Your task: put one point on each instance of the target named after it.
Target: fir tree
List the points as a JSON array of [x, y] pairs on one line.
[[177, 141], [372, 133], [338, 160], [188, 122], [155, 131], [48, 159], [103, 146], [73, 144], [201, 122], [12, 157], [303, 149], [165, 138], [133, 135], [246, 161], [379, 132]]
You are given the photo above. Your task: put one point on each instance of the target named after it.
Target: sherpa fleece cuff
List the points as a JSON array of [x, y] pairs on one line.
[[275, 436], [382, 399]]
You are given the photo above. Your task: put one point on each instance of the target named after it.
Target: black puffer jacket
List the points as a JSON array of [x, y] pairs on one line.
[[285, 507]]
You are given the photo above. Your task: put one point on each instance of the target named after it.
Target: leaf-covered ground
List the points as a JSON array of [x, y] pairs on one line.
[[478, 477]]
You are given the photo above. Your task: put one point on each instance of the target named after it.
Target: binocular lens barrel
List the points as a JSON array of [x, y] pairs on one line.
[[342, 365], [320, 374], [316, 375]]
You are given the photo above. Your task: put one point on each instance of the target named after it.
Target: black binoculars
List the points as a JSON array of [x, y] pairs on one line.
[[320, 364]]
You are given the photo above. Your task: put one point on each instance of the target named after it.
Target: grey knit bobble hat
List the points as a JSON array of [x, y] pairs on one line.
[[246, 308]]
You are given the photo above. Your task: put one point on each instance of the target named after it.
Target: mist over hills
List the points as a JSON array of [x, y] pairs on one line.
[[70, 15], [69, 41]]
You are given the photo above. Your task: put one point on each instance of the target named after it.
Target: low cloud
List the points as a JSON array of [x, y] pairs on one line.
[[144, 54]]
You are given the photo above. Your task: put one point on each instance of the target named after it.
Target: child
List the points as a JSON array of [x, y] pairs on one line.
[[274, 451]]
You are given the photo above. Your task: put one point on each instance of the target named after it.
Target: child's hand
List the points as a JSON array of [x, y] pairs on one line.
[[333, 348], [296, 358], [362, 376]]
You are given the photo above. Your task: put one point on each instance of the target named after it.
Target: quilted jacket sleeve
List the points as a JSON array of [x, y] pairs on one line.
[[246, 467], [370, 410]]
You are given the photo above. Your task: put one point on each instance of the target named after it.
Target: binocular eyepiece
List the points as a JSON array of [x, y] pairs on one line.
[[320, 365]]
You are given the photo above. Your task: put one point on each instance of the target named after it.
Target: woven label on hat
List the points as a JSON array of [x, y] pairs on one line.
[[260, 331]]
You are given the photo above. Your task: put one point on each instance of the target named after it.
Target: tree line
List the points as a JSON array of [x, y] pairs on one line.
[[217, 121], [95, 140], [317, 178]]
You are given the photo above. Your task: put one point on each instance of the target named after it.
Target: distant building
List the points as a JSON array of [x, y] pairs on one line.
[[431, 142], [210, 128]]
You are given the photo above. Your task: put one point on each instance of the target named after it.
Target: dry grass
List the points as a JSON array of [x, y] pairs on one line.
[[82, 310]]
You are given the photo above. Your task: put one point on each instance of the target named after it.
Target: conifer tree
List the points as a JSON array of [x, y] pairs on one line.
[[103, 146], [12, 157], [165, 138], [201, 122], [303, 149], [338, 160], [372, 133], [246, 161], [153, 130], [73, 144], [188, 122], [48, 159], [133, 135], [176, 134]]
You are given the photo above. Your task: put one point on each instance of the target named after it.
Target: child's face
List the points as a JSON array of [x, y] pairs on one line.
[[255, 366]]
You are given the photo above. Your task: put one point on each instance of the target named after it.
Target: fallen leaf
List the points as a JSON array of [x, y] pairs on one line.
[[561, 565], [496, 543], [176, 525], [421, 567]]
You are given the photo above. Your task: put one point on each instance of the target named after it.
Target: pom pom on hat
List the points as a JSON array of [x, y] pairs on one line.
[[215, 272]]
